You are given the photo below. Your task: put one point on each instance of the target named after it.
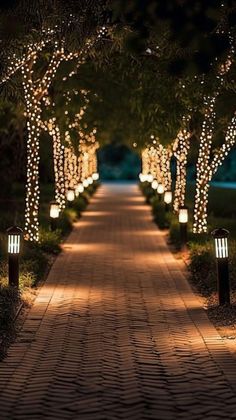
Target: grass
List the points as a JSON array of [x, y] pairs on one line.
[[36, 258]]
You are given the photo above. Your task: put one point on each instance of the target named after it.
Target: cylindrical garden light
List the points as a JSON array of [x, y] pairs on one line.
[[95, 176], [160, 190], [167, 199], [142, 177], [149, 178], [222, 260], [14, 239], [54, 214], [85, 183], [154, 184], [183, 223], [70, 195]]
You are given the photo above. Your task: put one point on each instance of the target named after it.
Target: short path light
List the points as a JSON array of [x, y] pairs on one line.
[[85, 183], [90, 180], [95, 176], [54, 214], [149, 178], [14, 239], [167, 199], [79, 189], [160, 190], [70, 195], [183, 223], [142, 177], [221, 249], [154, 184]]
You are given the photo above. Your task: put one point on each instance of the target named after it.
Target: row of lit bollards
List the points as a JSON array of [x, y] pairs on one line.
[[220, 239]]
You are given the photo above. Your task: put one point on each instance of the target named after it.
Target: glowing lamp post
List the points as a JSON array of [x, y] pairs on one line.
[[167, 199], [54, 214], [85, 183], [154, 184], [149, 178], [80, 188], [70, 195], [183, 223], [160, 190], [95, 176], [221, 249], [14, 239], [142, 177]]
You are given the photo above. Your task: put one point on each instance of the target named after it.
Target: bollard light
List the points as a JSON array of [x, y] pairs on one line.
[[154, 184], [90, 180], [221, 250], [95, 176], [160, 190], [167, 199], [79, 189], [183, 214], [85, 183], [142, 177], [54, 214], [70, 195], [183, 223], [54, 210], [149, 178], [14, 240]]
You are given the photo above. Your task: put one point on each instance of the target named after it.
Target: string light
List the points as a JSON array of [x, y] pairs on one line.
[[34, 94], [205, 166], [180, 151]]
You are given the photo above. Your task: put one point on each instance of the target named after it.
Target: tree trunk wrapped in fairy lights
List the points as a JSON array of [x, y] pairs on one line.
[[34, 92], [166, 154], [180, 151], [207, 168], [58, 163]]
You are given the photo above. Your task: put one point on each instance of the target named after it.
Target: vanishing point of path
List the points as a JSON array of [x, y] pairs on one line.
[[116, 332]]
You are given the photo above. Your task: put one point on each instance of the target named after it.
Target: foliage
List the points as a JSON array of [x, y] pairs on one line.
[[9, 301], [50, 241], [162, 217], [147, 191], [80, 204], [202, 266], [66, 220]]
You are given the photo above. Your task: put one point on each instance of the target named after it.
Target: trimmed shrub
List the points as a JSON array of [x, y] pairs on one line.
[[80, 204], [66, 220], [50, 241], [161, 216], [147, 191]]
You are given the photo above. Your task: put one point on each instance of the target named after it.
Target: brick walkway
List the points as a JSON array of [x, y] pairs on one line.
[[116, 332]]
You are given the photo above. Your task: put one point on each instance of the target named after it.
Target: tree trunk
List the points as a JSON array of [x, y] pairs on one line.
[[58, 161], [200, 208], [32, 184], [180, 184]]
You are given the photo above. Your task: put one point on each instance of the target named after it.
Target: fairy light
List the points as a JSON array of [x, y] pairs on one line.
[[206, 166], [34, 92], [180, 151]]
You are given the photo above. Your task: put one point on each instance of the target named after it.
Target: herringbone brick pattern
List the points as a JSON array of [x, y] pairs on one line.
[[116, 332]]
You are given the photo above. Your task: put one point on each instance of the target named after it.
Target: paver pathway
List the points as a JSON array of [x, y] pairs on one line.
[[116, 332]]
